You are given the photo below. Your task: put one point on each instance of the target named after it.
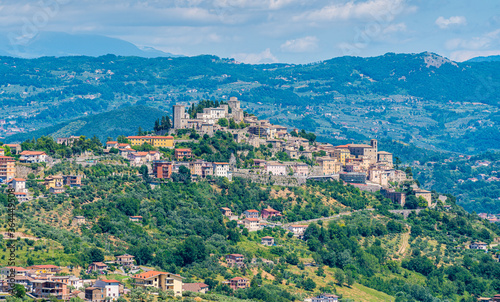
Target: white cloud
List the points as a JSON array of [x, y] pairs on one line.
[[384, 10], [256, 58], [392, 28], [464, 55], [452, 21], [476, 43], [305, 44]]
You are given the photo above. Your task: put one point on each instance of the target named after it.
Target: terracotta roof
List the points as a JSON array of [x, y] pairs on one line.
[[193, 287], [238, 278], [7, 157], [252, 211], [221, 163], [183, 149], [16, 268], [111, 142], [236, 255], [125, 256], [149, 274], [43, 266], [299, 226], [110, 281], [18, 193], [271, 210], [267, 237], [99, 263], [136, 217], [252, 219], [33, 153]]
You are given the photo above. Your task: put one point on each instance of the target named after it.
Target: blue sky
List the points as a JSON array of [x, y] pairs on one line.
[[260, 31]]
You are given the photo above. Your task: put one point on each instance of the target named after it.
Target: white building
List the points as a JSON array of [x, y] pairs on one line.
[[252, 224], [33, 157], [325, 298], [298, 229], [275, 168], [221, 169], [18, 184], [112, 288], [479, 245]]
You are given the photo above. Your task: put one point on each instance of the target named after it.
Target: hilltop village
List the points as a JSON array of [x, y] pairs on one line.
[[293, 156], [179, 152]]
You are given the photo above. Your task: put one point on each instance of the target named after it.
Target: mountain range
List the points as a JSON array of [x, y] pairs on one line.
[[58, 44]]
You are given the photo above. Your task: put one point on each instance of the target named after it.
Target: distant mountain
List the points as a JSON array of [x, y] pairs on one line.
[[58, 44], [123, 121], [485, 59]]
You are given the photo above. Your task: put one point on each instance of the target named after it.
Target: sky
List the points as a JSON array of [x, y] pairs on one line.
[[266, 31]]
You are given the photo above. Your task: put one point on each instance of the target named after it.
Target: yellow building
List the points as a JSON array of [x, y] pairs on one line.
[[341, 154], [162, 280], [329, 165], [55, 181], [156, 141]]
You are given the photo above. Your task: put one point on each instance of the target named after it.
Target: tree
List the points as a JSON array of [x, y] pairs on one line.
[[349, 278], [339, 275], [95, 255], [140, 132], [18, 291], [192, 250], [223, 122], [309, 284]]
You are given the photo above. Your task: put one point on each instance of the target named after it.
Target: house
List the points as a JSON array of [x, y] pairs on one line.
[[139, 158], [427, 195], [239, 282], [123, 146], [135, 218], [95, 294], [260, 163], [329, 165], [7, 168], [252, 224], [221, 169], [479, 245], [68, 141], [111, 144], [12, 270], [45, 289], [251, 214], [325, 298], [54, 181], [72, 181], [14, 148], [125, 260], [156, 141], [44, 269], [298, 229], [195, 287], [18, 184], [98, 267], [33, 157], [161, 280], [275, 168], [182, 153], [111, 288], [162, 169], [235, 260], [301, 169], [25, 281], [79, 220], [2, 152], [267, 240], [21, 196], [269, 212], [226, 212]]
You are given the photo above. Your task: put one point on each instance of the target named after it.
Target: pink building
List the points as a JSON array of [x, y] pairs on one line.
[[275, 168], [266, 213]]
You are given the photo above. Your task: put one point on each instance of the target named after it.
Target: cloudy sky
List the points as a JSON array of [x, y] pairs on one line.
[[257, 31]]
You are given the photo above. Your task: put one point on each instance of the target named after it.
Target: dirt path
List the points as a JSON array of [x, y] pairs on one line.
[[404, 245]]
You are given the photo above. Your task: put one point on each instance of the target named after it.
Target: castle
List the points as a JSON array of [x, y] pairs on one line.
[[208, 118]]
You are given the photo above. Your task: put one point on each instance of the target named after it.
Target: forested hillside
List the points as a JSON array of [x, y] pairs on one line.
[[375, 254], [422, 99]]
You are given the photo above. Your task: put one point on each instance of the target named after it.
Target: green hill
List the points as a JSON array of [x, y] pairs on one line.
[[124, 121]]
